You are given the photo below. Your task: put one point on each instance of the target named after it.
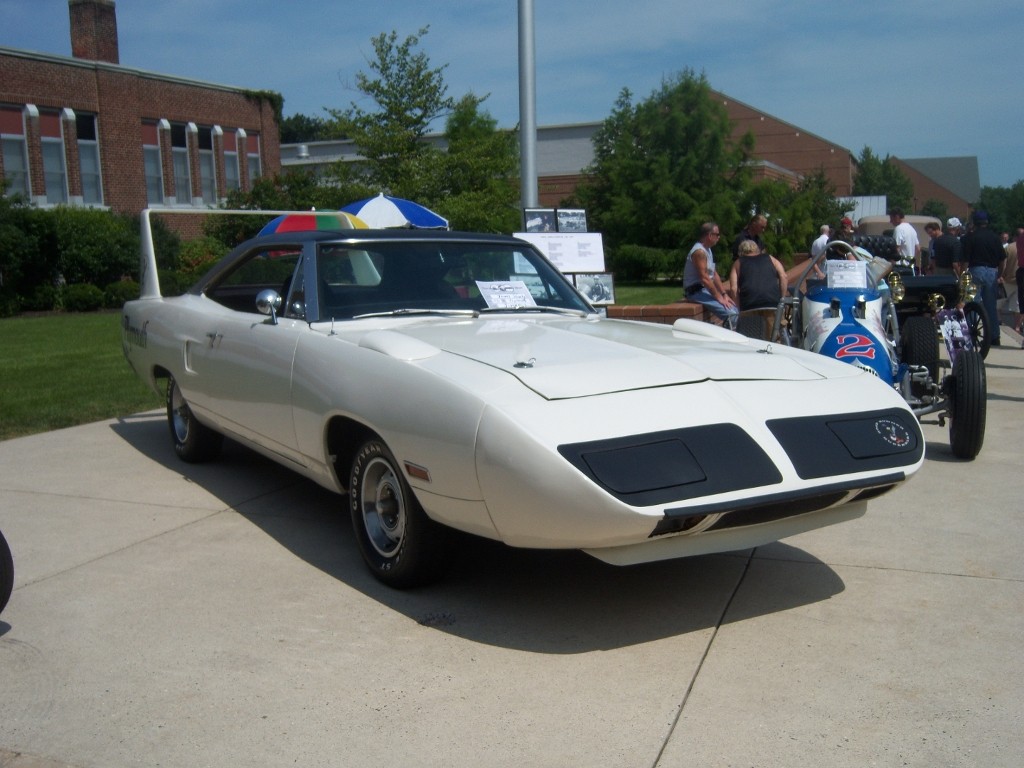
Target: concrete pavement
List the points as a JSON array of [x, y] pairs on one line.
[[219, 615]]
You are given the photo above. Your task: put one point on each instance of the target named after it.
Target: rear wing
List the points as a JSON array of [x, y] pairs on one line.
[[149, 281]]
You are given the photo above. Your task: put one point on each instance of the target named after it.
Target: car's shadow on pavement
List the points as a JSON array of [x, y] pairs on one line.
[[536, 600]]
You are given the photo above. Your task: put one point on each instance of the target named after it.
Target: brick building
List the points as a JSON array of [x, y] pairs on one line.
[[84, 130]]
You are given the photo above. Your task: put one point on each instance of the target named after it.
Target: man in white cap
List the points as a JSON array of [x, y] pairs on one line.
[[948, 252]]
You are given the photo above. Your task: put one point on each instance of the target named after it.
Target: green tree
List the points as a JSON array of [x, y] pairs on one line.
[[935, 208], [477, 188], [876, 176], [1004, 205], [299, 128], [795, 214], [290, 191], [408, 95], [665, 165]]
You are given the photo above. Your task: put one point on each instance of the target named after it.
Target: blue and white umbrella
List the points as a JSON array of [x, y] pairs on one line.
[[386, 212]]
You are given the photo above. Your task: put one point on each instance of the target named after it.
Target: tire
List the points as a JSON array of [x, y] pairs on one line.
[[402, 547], [6, 572], [193, 442], [968, 395], [978, 324], [921, 345]]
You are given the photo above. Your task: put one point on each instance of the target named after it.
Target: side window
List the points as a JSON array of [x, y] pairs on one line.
[[264, 268]]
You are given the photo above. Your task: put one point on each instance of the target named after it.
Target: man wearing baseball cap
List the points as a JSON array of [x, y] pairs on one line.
[[948, 254], [984, 255]]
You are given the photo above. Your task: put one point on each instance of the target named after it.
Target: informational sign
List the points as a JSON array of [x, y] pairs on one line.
[[847, 274], [505, 294], [569, 251]]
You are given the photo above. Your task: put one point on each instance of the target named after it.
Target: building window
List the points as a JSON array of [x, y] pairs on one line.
[[152, 164], [179, 158], [253, 157], [89, 159], [55, 172], [15, 152], [232, 178], [207, 164]]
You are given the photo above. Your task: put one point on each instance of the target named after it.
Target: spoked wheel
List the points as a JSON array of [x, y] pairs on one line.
[[6, 572], [968, 405], [193, 442], [401, 545], [977, 322]]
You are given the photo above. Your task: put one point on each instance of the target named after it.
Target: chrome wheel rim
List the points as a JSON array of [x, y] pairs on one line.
[[382, 507], [181, 417]]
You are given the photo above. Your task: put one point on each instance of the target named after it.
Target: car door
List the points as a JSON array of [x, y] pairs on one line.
[[243, 360]]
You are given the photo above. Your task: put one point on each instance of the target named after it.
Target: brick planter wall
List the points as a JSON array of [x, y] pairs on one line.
[[657, 313]]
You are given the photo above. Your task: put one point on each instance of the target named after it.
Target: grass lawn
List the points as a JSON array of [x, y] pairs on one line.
[[62, 370], [649, 293], [66, 369]]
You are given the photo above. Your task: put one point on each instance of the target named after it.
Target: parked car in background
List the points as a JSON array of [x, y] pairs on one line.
[[450, 382]]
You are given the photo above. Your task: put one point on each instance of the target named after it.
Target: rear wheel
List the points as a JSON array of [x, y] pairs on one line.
[[401, 545], [193, 442], [921, 345], [977, 323], [967, 395]]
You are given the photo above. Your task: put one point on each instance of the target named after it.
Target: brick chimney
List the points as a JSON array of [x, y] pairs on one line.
[[94, 30]]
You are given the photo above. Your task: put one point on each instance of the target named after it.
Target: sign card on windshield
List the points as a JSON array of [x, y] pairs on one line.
[[505, 294]]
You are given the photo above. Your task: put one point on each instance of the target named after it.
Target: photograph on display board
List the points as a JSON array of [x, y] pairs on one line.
[[572, 220], [597, 287], [539, 220]]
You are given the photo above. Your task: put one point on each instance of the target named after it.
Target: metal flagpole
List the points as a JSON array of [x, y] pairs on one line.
[[527, 108]]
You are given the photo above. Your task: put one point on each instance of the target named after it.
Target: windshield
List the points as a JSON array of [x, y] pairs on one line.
[[373, 278]]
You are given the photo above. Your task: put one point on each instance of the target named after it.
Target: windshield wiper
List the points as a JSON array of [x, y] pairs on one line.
[[412, 311], [538, 308]]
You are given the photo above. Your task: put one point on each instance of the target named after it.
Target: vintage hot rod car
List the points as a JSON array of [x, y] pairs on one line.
[[448, 380], [892, 329]]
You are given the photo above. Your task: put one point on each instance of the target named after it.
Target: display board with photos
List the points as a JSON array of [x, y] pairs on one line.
[[554, 220], [597, 287]]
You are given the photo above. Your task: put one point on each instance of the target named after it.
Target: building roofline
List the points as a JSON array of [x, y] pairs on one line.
[[71, 61], [799, 129]]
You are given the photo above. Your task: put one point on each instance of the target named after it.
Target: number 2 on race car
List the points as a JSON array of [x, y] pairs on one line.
[[854, 345]]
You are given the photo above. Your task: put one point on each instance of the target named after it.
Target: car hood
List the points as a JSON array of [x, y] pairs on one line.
[[566, 358]]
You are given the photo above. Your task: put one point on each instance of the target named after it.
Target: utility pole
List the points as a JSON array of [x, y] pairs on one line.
[[527, 108]]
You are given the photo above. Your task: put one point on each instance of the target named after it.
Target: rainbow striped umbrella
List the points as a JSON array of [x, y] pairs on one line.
[[304, 222]]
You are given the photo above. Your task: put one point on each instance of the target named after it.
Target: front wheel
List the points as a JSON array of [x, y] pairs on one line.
[[968, 400], [401, 545], [977, 323], [193, 442], [6, 572]]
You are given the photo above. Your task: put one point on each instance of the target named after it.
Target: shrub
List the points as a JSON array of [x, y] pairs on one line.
[[82, 297], [172, 283], [44, 298], [10, 305], [197, 256], [639, 262], [95, 246], [116, 294]]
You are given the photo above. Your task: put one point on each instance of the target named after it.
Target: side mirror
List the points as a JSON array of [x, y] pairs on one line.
[[268, 302]]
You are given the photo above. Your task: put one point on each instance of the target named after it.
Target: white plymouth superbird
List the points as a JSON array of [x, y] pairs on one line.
[[448, 380]]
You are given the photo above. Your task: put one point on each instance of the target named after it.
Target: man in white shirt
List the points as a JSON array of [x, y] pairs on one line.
[[818, 246], [908, 247]]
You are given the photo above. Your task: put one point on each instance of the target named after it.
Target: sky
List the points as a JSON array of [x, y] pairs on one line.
[[906, 78]]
